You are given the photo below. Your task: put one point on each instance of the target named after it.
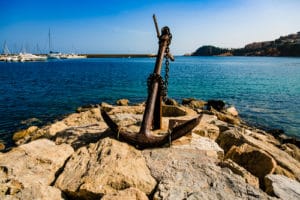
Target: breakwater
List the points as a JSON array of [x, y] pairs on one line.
[[119, 55]]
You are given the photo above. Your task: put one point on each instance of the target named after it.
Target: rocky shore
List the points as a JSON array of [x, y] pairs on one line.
[[79, 158]]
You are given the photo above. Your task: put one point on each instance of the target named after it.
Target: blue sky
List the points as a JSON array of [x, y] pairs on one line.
[[119, 26]]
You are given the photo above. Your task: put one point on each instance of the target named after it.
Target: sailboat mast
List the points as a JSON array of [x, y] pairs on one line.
[[5, 49], [49, 37]]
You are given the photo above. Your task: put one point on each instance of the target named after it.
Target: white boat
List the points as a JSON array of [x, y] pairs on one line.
[[72, 56], [11, 58], [23, 57], [54, 55]]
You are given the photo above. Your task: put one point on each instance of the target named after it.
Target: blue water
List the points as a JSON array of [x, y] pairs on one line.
[[265, 90]]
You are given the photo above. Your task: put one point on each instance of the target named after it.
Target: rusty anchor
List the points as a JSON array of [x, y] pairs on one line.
[[152, 118]]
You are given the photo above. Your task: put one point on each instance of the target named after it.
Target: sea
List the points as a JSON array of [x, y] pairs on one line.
[[265, 90]]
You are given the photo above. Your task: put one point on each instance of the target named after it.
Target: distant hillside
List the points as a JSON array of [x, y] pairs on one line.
[[284, 46]]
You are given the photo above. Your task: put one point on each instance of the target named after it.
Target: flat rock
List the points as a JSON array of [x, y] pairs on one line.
[[103, 168], [29, 169], [194, 141], [190, 174], [282, 187]]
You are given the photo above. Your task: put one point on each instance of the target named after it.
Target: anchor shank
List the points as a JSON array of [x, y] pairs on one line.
[[152, 115]]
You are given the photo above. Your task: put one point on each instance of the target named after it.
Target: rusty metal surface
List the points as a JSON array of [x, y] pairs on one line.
[[152, 118]]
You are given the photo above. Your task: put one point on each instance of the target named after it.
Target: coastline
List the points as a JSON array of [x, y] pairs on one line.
[[246, 156]]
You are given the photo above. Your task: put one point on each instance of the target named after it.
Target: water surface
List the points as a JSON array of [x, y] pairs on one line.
[[266, 90]]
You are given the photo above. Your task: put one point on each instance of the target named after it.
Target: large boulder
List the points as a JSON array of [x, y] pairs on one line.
[[229, 138], [191, 174], [283, 159], [282, 187], [256, 161], [28, 171], [105, 167]]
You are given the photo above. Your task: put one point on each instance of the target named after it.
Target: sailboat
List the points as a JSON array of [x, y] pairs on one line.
[[7, 56], [52, 54]]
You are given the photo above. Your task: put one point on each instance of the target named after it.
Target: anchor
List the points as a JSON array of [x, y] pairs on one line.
[[152, 118]]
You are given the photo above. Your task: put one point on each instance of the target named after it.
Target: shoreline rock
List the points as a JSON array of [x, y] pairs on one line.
[[220, 153]]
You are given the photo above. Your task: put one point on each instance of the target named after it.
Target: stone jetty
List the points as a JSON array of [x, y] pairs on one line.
[[79, 158]]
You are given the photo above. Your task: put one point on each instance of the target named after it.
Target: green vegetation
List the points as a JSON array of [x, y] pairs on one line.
[[283, 46]]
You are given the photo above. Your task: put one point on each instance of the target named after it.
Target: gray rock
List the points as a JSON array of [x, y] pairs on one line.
[[190, 174], [282, 187], [27, 171], [103, 168]]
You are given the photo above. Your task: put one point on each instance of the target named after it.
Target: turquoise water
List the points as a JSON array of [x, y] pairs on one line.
[[265, 90]]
